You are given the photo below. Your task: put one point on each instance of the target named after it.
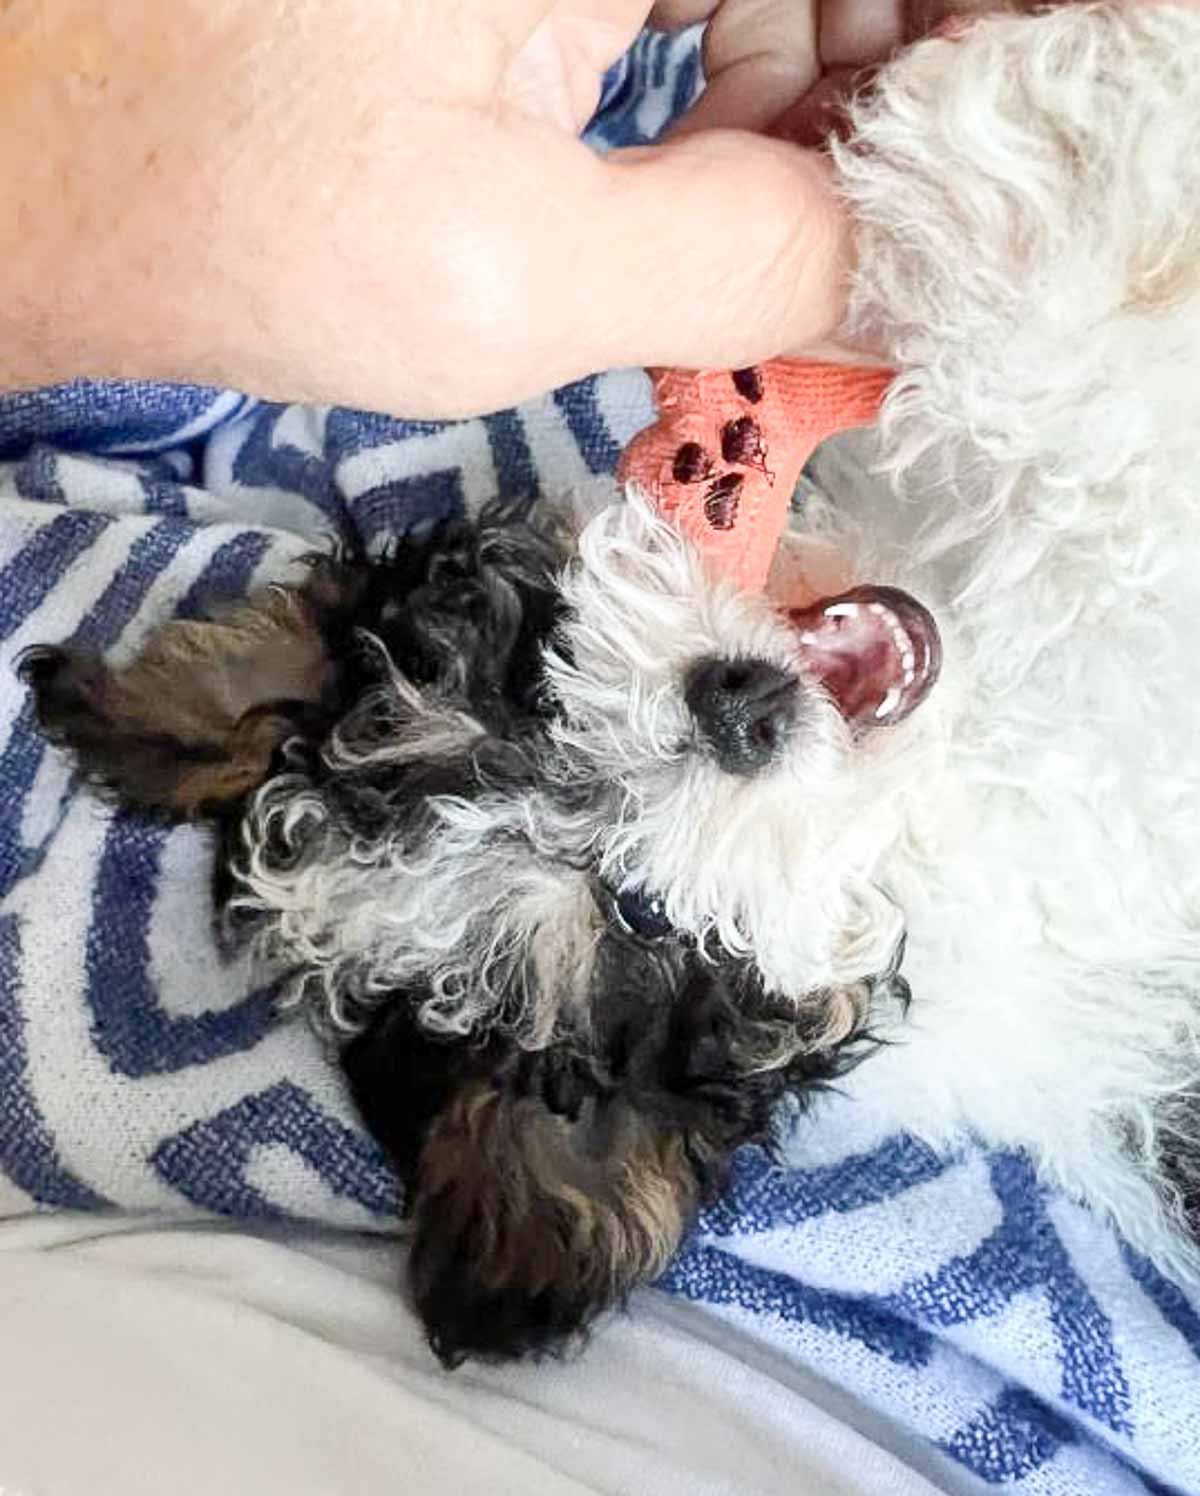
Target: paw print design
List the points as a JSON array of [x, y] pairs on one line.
[[726, 452]]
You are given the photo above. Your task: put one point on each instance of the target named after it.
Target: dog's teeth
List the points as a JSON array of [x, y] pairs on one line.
[[843, 610], [900, 638], [889, 703]]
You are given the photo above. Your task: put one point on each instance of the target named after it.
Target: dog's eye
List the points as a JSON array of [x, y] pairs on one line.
[[642, 913]]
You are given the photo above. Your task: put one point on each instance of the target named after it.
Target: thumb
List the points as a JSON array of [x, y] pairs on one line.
[[721, 249]]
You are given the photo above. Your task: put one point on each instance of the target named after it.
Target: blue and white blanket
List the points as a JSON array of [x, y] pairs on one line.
[[140, 1069]]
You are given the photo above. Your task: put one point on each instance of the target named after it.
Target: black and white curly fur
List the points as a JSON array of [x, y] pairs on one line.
[[440, 777]]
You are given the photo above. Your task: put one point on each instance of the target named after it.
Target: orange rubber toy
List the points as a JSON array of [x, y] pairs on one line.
[[724, 457]]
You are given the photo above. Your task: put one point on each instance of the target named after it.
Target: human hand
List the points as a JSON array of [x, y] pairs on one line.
[[383, 204]]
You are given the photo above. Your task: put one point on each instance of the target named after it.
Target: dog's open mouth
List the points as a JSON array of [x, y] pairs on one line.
[[876, 651]]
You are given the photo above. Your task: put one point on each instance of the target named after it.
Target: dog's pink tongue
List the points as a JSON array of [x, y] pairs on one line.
[[876, 651]]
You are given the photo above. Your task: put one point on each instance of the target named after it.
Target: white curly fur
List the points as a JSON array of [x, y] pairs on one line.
[[1030, 257]]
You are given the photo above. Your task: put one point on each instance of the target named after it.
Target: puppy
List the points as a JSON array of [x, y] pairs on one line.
[[488, 801]]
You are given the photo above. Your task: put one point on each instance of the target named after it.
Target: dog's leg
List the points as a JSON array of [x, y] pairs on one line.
[[192, 725]]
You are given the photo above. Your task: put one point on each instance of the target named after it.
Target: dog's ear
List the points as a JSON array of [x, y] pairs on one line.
[[529, 1222], [545, 1186], [539, 1197], [191, 726]]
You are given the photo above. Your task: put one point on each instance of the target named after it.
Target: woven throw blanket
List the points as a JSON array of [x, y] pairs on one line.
[[141, 1068]]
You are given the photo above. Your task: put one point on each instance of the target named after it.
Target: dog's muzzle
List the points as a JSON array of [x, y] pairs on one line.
[[745, 710]]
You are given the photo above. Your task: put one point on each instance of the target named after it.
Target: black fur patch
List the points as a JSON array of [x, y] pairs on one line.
[[466, 610]]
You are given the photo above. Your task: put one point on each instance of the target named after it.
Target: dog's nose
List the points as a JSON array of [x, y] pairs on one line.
[[745, 709]]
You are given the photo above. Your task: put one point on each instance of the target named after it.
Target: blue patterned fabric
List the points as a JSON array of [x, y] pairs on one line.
[[141, 1067]]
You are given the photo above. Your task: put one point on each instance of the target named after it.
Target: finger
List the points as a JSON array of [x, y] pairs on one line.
[[824, 111], [748, 256], [557, 71], [513, 21], [854, 33], [604, 28], [673, 15], [718, 251], [759, 56]]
